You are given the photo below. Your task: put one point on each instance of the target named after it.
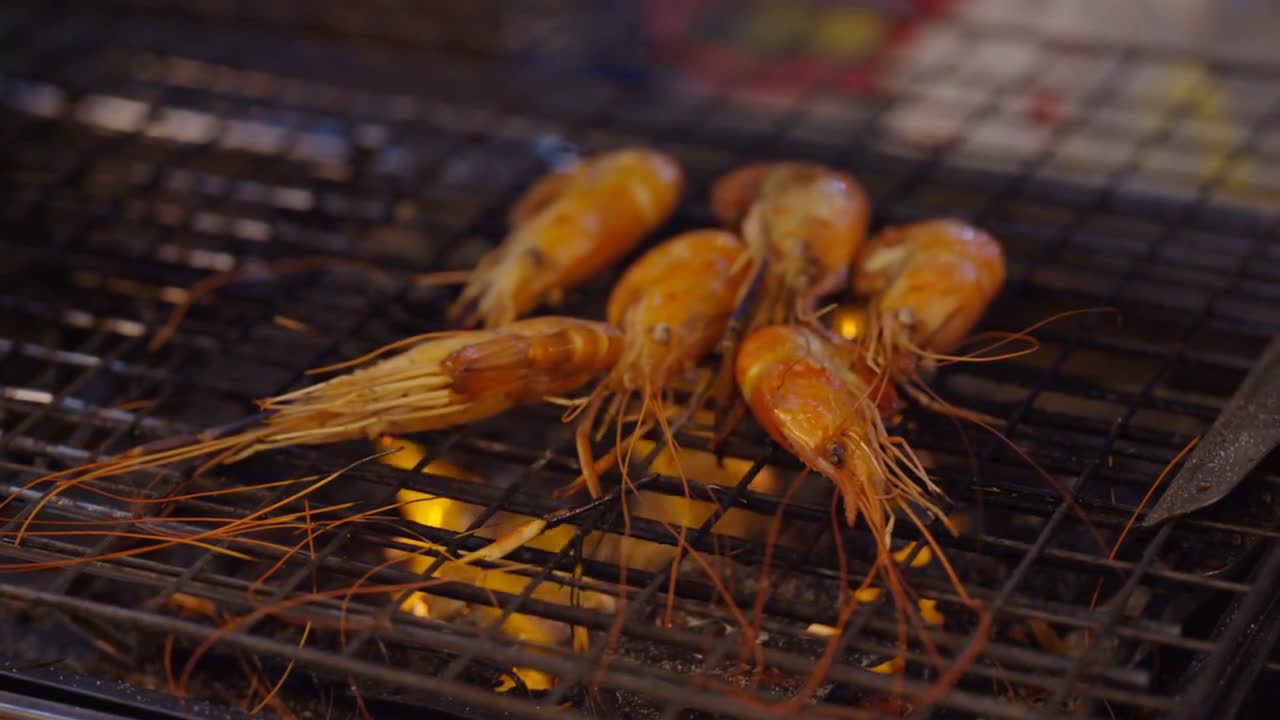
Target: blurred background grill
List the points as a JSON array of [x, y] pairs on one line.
[[149, 144]]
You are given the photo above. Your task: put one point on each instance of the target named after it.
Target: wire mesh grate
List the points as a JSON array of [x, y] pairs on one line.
[[155, 144]]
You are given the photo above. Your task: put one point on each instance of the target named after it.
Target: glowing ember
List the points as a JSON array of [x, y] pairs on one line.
[[525, 628], [821, 630], [457, 517], [409, 454], [454, 516], [850, 321], [918, 560], [532, 678], [1047, 637], [706, 468], [193, 604], [890, 667], [867, 595], [929, 611]]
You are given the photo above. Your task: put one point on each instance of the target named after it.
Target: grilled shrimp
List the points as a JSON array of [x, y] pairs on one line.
[[804, 221], [441, 380], [673, 306], [821, 401], [929, 284], [817, 397], [568, 227]]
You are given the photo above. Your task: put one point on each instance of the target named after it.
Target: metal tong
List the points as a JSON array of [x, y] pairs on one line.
[[1246, 432]]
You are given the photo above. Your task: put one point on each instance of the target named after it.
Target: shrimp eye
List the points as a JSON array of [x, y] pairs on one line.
[[836, 454], [535, 257], [662, 333]]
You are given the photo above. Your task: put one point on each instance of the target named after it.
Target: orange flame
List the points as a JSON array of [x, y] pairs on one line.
[[849, 321], [456, 516]]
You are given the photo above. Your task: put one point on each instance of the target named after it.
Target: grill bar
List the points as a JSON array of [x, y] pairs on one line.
[[112, 221]]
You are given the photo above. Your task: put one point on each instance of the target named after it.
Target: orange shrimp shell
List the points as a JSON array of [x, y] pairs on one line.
[[931, 281], [673, 305], [816, 398], [809, 219], [529, 359], [733, 193], [570, 229]]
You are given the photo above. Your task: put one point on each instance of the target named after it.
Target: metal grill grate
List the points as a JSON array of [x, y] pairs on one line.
[[152, 145]]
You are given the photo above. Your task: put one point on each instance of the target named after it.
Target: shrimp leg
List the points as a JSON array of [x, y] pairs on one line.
[[730, 407], [582, 438]]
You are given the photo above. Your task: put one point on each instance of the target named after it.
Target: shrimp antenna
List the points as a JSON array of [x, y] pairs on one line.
[[905, 607], [227, 441], [582, 438], [403, 342], [681, 537], [1142, 505], [573, 406], [990, 426], [907, 483], [981, 354], [914, 385], [277, 268]]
